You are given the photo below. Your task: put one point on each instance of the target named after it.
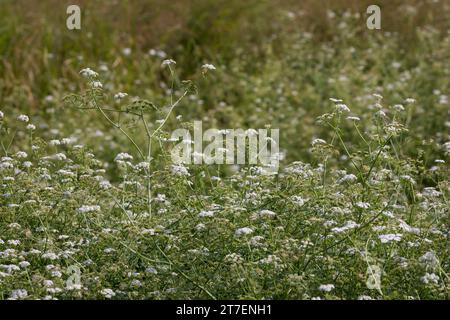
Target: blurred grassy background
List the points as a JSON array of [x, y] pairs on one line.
[[37, 49]]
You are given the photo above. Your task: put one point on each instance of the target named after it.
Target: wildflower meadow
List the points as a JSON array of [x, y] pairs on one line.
[[224, 150]]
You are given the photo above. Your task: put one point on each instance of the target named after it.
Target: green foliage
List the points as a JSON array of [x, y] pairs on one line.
[[359, 208]]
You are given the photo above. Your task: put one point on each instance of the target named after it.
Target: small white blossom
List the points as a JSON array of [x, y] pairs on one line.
[[27, 164], [430, 278], [243, 231], [431, 192], [348, 225], [429, 259], [126, 51], [206, 67], [326, 287], [386, 238], [18, 294], [73, 286], [200, 227], [142, 165], [158, 53], [267, 213], [21, 154], [318, 141], [378, 96], [105, 184], [342, 107], [123, 156], [120, 95], [108, 293], [398, 108], [88, 208], [97, 84], [408, 178], [54, 142], [88, 72], [406, 227], [362, 205], [136, 283], [48, 283], [168, 62], [380, 113], [59, 157], [298, 200], [67, 141], [204, 214], [179, 170], [50, 256], [23, 118], [13, 242], [151, 270], [348, 178]]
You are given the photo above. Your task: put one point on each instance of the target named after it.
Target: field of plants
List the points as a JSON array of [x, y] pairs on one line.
[[92, 205]]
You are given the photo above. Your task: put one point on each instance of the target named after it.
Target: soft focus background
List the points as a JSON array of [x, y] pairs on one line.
[[277, 62]]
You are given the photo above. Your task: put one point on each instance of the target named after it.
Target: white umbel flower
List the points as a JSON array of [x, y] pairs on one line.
[[318, 141], [362, 205], [88, 72], [23, 118], [386, 238], [123, 156], [342, 108], [108, 293], [168, 62], [208, 66], [179, 170], [18, 294], [120, 95], [243, 231], [97, 84], [21, 154], [267, 213], [88, 208], [126, 51], [430, 278], [205, 214], [326, 287]]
